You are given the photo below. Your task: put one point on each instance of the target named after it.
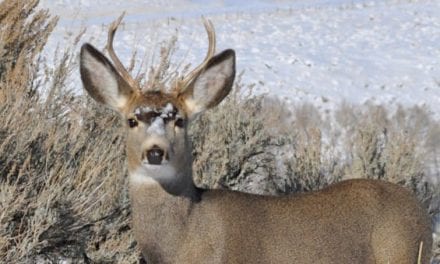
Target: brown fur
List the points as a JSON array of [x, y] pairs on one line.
[[355, 221]]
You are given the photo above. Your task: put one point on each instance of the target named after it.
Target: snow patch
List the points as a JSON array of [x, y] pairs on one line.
[[303, 50], [157, 127], [143, 109], [168, 111]]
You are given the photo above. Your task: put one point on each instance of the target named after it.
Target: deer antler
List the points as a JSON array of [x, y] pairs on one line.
[[118, 65], [209, 27]]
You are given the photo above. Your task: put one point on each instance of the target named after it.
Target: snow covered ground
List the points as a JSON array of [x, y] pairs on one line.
[[319, 51]]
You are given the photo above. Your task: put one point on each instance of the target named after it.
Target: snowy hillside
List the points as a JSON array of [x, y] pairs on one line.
[[317, 51]]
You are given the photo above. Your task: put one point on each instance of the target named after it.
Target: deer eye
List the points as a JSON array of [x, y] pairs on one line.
[[179, 122], [132, 122]]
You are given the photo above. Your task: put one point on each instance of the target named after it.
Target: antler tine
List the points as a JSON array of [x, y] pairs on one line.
[[118, 64], [209, 27]]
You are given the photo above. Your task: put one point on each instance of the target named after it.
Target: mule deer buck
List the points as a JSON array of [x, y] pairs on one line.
[[174, 221]]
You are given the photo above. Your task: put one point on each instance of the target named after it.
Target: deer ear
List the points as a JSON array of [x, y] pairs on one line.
[[212, 85], [101, 80]]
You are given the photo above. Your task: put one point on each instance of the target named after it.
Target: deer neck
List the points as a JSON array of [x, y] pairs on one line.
[[162, 199]]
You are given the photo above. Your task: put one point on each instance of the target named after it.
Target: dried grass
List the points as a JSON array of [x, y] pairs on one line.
[[61, 168]]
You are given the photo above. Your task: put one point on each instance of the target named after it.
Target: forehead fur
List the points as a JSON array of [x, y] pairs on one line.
[[155, 100]]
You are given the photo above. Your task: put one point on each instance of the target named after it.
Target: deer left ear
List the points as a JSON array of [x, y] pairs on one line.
[[212, 85], [101, 80]]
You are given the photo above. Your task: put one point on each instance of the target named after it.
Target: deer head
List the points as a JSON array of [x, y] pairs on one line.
[[157, 121]]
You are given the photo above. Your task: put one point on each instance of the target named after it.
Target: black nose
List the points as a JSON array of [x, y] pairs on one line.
[[155, 155]]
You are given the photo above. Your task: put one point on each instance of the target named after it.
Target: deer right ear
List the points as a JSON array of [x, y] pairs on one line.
[[101, 80], [212, 84]]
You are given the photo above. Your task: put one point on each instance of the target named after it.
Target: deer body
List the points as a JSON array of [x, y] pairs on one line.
[[355, 221]]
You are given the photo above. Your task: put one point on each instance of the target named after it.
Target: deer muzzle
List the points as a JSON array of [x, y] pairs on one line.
[[155, 155]]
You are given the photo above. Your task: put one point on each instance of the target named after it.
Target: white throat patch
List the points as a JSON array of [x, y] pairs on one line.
[[151, 174]]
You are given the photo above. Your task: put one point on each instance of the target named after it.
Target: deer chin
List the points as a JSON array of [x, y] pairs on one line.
[[139, 177], [146, 164], [153, 174]]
